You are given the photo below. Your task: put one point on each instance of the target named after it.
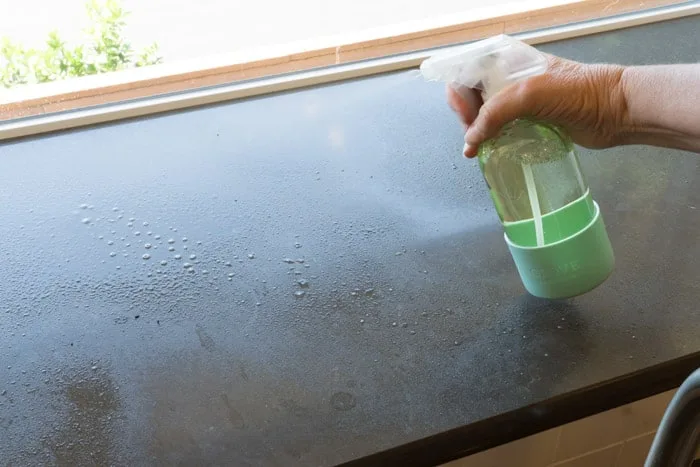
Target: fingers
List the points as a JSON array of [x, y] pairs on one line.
[[465, 102], [483, 121], [470, 151], [511, 103]]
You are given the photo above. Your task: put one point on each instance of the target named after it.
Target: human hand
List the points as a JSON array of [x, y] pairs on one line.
[[587, 101]]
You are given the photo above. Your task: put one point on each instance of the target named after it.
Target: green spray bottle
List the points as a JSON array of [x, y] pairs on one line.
[[552, 226]]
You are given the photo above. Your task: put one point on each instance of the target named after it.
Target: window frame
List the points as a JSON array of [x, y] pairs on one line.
[[146, 91]]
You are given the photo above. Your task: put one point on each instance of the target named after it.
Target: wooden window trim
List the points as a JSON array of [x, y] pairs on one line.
[[159, 80]]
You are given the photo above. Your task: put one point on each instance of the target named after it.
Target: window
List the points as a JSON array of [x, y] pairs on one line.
[[115, 51]]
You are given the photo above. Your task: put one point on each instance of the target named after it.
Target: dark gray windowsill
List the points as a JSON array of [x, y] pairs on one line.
[[108, 361]]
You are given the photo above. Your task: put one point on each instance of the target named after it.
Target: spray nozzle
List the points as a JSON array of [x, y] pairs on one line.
[[488, 65]]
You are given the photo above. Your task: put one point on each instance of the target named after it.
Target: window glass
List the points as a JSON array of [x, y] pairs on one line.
[[48, 41]]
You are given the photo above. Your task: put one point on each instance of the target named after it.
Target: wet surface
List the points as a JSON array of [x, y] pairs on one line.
[[325, 278]]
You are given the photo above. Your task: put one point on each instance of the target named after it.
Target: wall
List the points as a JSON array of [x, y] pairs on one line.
[[617, 438]]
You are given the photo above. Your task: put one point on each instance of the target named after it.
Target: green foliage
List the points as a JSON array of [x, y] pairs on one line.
[[105, 49]]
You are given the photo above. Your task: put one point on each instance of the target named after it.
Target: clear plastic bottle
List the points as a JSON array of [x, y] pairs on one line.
[[552, 225], [533, 173]]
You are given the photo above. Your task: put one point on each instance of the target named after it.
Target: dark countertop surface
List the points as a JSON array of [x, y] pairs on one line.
[[350, 291]]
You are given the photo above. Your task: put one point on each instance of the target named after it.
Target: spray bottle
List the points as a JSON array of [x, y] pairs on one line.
[[552, 226]]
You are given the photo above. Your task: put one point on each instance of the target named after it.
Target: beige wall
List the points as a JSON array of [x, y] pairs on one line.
[[617, 438]]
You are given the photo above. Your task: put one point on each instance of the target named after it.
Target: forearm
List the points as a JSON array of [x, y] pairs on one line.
[[662, 106]]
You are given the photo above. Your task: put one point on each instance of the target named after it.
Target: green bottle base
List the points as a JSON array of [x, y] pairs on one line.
[[569, 267]]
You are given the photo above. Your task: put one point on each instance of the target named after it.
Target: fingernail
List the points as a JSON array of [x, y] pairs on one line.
[[466, 151]]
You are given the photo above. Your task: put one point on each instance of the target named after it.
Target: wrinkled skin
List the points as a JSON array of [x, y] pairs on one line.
[[586, 100]]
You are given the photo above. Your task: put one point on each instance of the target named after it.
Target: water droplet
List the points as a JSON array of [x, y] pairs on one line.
[[128, 244], [147, 246], [157, 237], [177, 256], [193, 256], [288, 260], [184, 239], [110, 242], [137, 233], [251, 256], [171, 248], [297, 245], [299, 293], [86, 220], [230, 275], [394, 323], [187, 265], [83, 206], [146, 256], [145, 223], [119, 267], [101, 237], [149, 233], [205, 271], [112, 254], [412, 331], [303, 283], [362, 321], [130, 224], [369, 292], [199, 243], [258, 303], [228, 263], [171, 240]]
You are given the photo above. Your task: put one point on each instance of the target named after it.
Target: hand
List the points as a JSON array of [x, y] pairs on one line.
[[587, 101]]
